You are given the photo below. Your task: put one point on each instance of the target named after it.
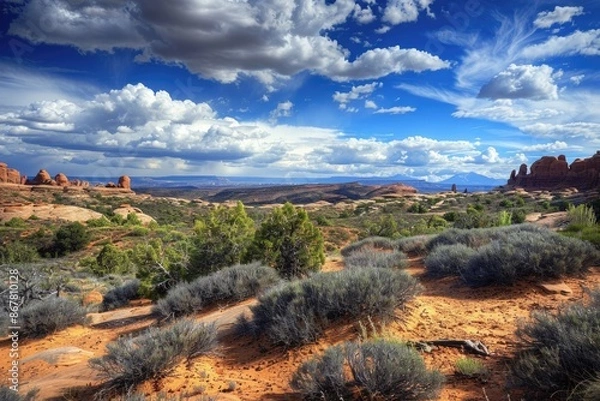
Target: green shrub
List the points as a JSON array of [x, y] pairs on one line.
[[16, 222], [120, 296], [377, 243], [298, 312], [450, 217], [221, 239], [385, 226], [560, 353], [70, 238], [417, 207], [7, 394], [448, 260], [111, 260], [18, 252], [589, 234], [41, 318], [378, 370], [130, 361], [99, 222], [230, 284], [289, 242], [159, 266], [368, 258]]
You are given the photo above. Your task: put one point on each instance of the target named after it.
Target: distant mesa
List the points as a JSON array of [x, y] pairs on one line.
[[43, 178], [551, 173]]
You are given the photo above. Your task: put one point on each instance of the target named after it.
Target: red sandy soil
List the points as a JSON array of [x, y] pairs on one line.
[[251, 369]]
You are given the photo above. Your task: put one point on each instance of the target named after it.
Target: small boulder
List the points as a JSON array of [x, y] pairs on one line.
[[556, 288]]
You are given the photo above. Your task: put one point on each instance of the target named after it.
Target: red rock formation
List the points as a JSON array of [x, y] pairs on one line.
[[3, 172], [124, 182], [42, 178], [13, 176], [555, 173], [9, 175], [62, 180]]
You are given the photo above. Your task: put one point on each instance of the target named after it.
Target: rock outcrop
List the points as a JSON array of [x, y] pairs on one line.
[[551, 172], [9, 175], [42, 178], [60, 180], [124, 182]]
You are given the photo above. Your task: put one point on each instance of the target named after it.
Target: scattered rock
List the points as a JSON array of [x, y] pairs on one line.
[[556, 288]]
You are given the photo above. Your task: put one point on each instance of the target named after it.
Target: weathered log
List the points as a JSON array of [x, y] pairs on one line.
[[474, 347]]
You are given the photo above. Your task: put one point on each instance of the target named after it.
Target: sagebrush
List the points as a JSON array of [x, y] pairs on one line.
[[50, 315], [375, 370], [560, 353], [152, 355], [297, 312], [230, 284]]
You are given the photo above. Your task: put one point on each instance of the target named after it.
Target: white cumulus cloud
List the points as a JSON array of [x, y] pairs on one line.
[[560, 15], [269, 40], [399, 11], [522, 82], [355, 93]]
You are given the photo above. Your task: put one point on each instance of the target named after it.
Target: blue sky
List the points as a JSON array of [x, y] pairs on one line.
[[304, 88]]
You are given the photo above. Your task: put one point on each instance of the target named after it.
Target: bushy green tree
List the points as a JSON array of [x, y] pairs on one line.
[[289, 242], [159, 267], [111, 260], [70, 238], [385, 226], [221, 239]]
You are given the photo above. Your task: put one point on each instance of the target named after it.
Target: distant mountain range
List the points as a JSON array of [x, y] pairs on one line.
[[472, 179], [472, 182]]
